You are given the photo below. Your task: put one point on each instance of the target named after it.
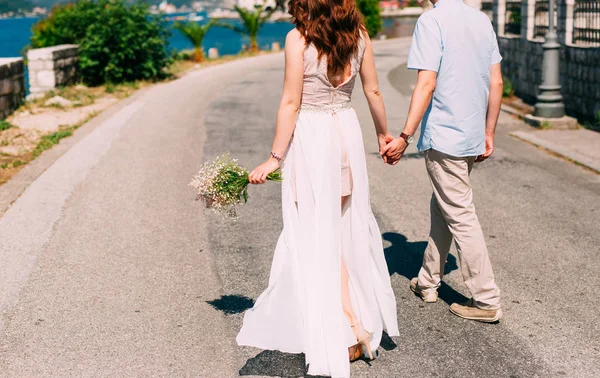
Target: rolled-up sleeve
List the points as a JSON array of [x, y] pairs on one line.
[[426, 48], [496, 57]]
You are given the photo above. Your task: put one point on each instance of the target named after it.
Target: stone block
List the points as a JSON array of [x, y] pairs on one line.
[[10, 67], [19, 85], [36, 65], [46, 79], [4, 71], [59, 77], [6, 86], [40, 54], [4, 103], [17, 67], [64, 51], [213, 53]]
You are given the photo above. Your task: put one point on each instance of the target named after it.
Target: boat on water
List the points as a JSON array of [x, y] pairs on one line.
[[230, 14], [185, 17], [223, 13]]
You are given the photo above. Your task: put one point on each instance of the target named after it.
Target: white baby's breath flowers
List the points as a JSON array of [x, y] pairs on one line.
[[222, 184]]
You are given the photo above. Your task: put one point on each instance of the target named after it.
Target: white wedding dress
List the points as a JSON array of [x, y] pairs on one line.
[[301, 310]]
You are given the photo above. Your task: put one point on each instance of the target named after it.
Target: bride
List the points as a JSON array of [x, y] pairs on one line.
[[329, 293]]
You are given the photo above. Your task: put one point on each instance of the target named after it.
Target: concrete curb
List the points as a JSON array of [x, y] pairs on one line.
[[558, 150], [510, 110]]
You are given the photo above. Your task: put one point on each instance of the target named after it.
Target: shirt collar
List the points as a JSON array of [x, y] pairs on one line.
[[443, 3]]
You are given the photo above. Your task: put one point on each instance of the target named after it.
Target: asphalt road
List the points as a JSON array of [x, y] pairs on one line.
[[110, 269]]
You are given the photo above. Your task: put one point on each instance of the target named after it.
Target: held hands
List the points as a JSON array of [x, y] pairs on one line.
[[489, 149], [392, 152], [260, 173], [383, 140]]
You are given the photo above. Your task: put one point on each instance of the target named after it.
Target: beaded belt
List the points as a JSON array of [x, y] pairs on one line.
[[329, 108]]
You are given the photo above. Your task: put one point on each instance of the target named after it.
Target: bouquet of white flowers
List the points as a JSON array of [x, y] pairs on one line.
[[222, 184]]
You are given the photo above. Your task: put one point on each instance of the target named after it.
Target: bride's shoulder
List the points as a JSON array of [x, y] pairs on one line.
[[294, 36], [295, 40], [364, 36]]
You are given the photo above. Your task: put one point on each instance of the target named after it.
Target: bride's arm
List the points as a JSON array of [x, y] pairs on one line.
[[370, 83], [288, 107]]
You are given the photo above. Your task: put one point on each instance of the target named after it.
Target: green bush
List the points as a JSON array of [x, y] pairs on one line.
[[66, 24], [184, 55], [508, 89], [371, 12], [118, 42]]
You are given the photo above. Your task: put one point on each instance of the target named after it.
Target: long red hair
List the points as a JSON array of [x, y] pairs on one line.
[[334, 27]]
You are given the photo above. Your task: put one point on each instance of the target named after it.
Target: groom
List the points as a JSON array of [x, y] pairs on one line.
[[457, 97]]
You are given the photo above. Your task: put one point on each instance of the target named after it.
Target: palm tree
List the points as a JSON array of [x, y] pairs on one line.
[[195, 33], [252, 21]]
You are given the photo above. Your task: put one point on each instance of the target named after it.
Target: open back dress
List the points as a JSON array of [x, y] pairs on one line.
[[301, 309]]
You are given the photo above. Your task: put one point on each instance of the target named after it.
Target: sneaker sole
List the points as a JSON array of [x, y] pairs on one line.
[[495, 319], [418, 292]]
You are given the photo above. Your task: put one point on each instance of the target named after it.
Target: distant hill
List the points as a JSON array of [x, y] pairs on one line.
[[50, 3], [14, 5]]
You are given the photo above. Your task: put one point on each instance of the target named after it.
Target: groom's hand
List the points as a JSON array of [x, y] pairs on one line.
[[489, 149], [394, 150], [383, 140]]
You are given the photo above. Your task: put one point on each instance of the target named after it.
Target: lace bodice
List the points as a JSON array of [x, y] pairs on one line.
[[318, 94]]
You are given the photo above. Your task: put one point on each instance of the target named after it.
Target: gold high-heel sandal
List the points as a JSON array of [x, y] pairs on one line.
[[364, 342]]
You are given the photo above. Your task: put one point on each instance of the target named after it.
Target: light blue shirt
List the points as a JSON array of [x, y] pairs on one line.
[[459, 43]]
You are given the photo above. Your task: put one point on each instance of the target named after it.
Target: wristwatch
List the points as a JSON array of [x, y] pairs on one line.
[[408, 138]]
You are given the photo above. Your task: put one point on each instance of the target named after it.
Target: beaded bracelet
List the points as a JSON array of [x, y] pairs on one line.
[[277, 157]]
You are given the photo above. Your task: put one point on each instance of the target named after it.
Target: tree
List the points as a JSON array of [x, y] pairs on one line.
[[126, 43], [65, 24], [118, 41], [252, 21], [195, 33], [371, 12]]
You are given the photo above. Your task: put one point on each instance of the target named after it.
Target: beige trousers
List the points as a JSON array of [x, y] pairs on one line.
[[453, 217]]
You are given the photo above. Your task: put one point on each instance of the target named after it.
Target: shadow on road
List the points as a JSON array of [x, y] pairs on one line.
[[405, 258], [272, 363], [232, 304]]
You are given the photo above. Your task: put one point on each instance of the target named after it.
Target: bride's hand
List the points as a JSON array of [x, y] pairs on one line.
[[383, 140], [260, 173]]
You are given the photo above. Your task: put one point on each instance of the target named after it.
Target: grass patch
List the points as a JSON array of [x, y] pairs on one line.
[[50, 140], [4, 125], [507, 89], [123, 90]]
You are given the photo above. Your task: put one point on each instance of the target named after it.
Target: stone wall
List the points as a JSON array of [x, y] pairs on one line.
[[522, 64], [51, 67], [12, 85], [579, 74], [580, 80]]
